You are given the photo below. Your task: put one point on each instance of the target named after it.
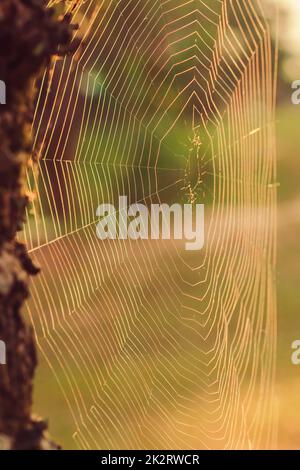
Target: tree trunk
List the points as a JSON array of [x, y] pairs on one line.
[[29, 35]]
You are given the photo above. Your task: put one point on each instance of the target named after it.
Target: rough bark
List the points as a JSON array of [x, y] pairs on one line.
[[30, 34]]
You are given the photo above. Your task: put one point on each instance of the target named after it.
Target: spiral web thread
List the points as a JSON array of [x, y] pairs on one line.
[[152, 346]]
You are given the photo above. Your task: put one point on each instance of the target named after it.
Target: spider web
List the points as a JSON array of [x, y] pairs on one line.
[[152, 346]]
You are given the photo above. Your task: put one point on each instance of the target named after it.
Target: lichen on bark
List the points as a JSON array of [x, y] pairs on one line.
[[30, 34]]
